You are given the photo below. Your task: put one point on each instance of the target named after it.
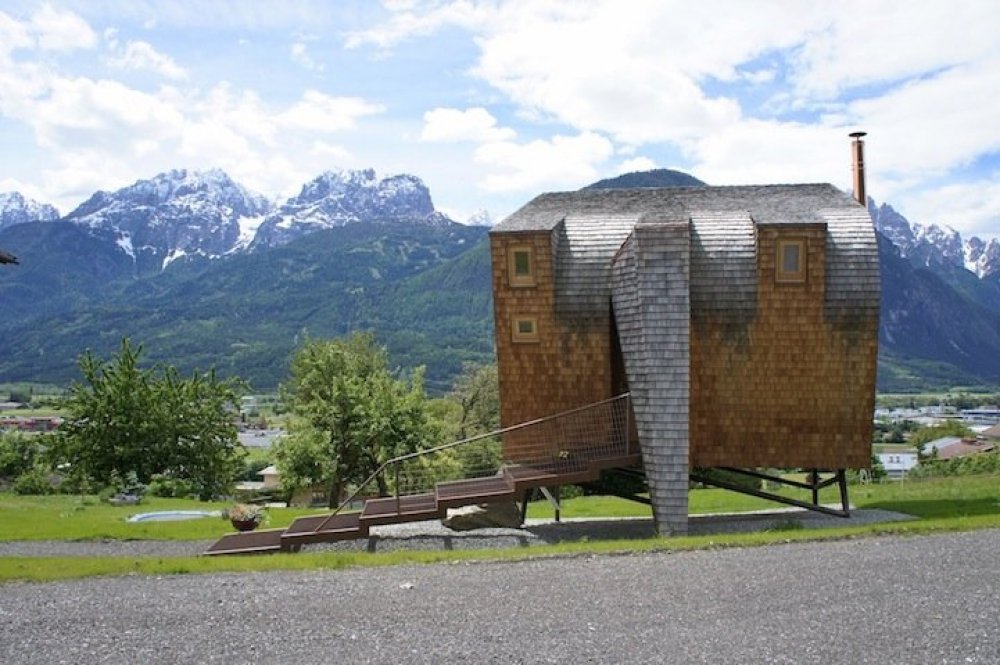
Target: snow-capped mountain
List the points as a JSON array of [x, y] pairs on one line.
[[981, 257], [936, 246], [336, 198], [15, 209], [175, 214], [481, 217]]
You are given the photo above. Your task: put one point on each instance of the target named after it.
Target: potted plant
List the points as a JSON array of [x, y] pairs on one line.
[[244, 516]]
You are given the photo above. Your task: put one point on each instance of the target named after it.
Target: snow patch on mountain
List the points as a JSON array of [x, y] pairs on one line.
[[248, 231], [16, 209], [124, 241]]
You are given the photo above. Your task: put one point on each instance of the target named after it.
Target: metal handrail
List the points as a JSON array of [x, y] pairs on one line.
[[395, 461]]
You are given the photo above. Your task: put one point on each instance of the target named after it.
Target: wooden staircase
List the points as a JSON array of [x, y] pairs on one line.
[[511, 483]]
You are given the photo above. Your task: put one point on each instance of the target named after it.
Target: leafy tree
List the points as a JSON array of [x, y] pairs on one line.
[[476, 394], [477, 391], [19, 452], [925, 435], [350, 415], [150, 421]]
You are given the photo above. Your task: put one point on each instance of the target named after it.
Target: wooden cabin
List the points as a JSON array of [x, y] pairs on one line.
[[743, 320]]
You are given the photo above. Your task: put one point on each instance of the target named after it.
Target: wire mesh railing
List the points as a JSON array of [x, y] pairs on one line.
[[561, 442]]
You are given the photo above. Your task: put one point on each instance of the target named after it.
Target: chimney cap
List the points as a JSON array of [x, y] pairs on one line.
[[857, 135]]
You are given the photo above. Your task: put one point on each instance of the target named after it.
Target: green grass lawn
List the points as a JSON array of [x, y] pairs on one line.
[[946, 504], [927, 498], [64, 517]]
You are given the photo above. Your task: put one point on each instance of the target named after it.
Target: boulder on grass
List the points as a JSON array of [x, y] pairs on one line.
[[483, 516]]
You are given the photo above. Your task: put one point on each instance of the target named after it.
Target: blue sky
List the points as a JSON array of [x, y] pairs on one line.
[[491, 103]]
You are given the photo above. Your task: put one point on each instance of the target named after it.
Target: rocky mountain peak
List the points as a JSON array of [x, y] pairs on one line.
[[481, 217], [336, 198], [172, 215], [982, 257], [16, 209], [933, 245]]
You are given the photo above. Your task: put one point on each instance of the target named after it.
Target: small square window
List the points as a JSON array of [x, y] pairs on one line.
[[790, 262], [521, 266], [525, 329]]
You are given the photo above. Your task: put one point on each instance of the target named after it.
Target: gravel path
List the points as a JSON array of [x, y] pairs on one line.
[[434, 536], [913, 600]]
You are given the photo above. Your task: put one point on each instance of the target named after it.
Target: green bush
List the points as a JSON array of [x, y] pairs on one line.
[[128, 485], [970, 465], [18, 453], [165, 486], [33, 481]]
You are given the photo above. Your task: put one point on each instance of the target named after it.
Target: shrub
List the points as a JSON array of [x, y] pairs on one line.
[[165, 486], [122, 490], [18, 453], [978, 464], [33, 481]]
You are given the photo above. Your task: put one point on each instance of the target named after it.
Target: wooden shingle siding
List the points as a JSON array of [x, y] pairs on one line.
[[795, 394], [650, 297], [723, 265], [853, 279], [585, 246], [569, 365]]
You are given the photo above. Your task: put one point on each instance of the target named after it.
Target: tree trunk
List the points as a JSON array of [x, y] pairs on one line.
[[336, 488]]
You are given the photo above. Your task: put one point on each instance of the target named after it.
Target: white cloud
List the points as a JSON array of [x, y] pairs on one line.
[[973, 207], [57, 30], [300, 56], [563, 161], [936, 123], [861, 42], [473, 124], [636, 164], [762, 152], [319, 112], [13, 35], [80, 111], [327, 151], [139, 55], [411, 19]]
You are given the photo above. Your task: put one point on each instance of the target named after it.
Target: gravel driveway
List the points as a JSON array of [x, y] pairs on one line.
[[917, 600], [930, 599]]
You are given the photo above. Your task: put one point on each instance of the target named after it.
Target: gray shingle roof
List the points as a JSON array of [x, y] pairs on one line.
[[585, 246], [589, 226], [768, 204]]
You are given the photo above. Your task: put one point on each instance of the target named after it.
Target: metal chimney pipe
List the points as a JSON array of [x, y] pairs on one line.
[[858, 163]]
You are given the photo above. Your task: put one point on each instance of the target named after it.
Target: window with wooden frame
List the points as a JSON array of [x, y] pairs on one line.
[[790, 261], [525, 329], [521, 266]]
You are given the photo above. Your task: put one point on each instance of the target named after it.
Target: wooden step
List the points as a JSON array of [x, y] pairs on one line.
[[389, 510], [248, 542], [324, 529], [615, 461], [568, 472], [526, 477], [492, 489]]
